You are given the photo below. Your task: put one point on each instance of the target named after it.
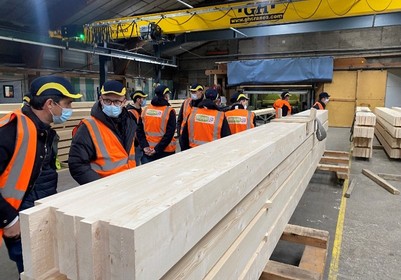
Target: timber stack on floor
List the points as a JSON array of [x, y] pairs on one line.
[[212, 212], [388, 130], [363, 132]]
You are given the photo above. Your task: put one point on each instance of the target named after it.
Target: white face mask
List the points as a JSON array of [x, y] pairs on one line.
[[326, 100], [194, 96], [143, 103]]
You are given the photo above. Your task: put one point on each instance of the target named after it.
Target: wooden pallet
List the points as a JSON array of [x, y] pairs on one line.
[[336, 161], [313, 259]]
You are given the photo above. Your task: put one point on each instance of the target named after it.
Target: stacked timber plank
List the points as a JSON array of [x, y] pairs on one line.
[[212, 212], [363, 132], [388, 130]]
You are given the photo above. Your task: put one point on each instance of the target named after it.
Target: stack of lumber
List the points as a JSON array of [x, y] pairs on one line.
[[209, 212], [388, 130], [363, 133]]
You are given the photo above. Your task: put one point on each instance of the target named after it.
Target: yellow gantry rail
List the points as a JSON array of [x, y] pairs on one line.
[[237, 15]]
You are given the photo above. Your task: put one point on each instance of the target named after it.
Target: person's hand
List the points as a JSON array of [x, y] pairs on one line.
[[149, 151], [13, 232]]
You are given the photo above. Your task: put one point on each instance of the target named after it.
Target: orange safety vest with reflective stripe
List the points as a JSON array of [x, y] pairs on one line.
[[111, 157], [155, 119], [240, 120], [15, 179], [186, 111], [319, 105], [204, 125], [279, 103]]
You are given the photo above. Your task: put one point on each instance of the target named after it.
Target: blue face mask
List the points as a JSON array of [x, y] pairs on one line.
[[143, 104], [194, 96], [65, 116], [111, 110]]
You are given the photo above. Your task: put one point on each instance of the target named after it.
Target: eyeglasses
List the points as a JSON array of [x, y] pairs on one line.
[[115, 102]]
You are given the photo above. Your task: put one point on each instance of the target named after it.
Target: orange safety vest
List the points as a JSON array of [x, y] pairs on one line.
[[279, 103], [319, 105], [204, 125], [111, 157], [240, 120], [186, 111], [15, 179], [155, 119], [135, 113]]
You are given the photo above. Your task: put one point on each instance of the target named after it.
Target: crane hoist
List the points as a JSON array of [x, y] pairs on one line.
[[164, 25]]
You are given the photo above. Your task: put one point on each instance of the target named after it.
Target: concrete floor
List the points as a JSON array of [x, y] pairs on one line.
[[370, 247]]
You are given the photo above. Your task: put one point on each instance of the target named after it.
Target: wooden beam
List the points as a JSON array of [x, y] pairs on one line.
[[351, 186], [336, 153], [306, 236], [390, 177], [280, 271], [330, 159], [331, 167], [204, 255], [390, 115], [380, 181]]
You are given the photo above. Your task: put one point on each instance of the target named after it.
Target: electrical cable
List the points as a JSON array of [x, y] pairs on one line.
[[317, 8], [346, 12], [378, 11]]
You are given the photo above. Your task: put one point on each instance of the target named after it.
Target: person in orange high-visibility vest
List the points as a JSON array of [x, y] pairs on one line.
[[197, 96], [103, 144], [28, 154], [239, 118], [205, 123], [139, 99], [157, 127], [324, 98], [283, 104]]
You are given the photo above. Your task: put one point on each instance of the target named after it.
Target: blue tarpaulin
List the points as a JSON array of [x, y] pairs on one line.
[[280, 71]]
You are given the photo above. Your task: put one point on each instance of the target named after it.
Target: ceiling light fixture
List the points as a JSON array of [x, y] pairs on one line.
[[186, 4], [239, 32]]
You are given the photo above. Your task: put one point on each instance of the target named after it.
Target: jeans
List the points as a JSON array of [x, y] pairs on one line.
[[14, 247]]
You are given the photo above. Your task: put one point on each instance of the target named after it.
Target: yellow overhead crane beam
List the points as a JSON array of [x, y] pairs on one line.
[[234, 15]]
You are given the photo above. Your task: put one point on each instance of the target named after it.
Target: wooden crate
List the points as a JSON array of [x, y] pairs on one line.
[[313, 261], [336, 161]]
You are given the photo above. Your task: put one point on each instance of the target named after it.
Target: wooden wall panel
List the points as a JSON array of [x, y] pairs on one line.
[[354, 88], [341, 113], [371, 85], [343, 86]]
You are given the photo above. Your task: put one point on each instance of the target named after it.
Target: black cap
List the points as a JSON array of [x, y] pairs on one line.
[[136, 94], [162, 90], [53, 86], [323, 95], [238, 96], [285, 94], [211, 94], [113, 87], [196, 87]]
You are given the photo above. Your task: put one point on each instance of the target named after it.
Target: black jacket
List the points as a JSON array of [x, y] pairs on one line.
[[209, 104], [43, 181], [83, 151], [170, 130], [130, 107]]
